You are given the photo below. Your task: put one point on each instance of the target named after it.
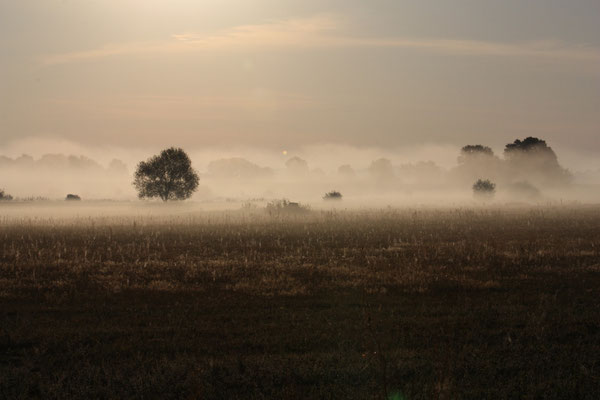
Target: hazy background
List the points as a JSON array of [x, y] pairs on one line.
[[333, 82]]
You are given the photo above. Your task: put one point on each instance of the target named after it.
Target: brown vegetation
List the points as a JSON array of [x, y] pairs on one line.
[[417, 304]]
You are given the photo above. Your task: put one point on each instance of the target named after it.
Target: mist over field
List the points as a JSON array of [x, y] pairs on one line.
[[367, 176]]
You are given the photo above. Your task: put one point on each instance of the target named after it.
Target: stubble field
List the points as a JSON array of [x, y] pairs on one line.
[[493, 303]]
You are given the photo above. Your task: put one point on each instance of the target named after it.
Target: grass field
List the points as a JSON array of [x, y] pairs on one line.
[[389, 304]]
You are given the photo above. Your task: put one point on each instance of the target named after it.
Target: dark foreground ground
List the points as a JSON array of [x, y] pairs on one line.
[[412, 304]]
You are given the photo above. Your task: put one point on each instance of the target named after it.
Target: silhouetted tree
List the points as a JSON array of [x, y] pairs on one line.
[[169, 176], [533, 159], [484, 188], [528, 145], [72, 197]]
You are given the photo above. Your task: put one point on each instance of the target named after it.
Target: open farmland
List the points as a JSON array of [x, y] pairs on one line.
[[401, 304]]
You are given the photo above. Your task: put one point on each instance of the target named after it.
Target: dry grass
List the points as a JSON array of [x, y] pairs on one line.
[[417, 304]]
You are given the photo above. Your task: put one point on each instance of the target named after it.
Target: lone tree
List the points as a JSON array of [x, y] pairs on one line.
[[484, 189], [169, 176]]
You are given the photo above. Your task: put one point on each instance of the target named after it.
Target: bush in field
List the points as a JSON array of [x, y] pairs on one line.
[[72, 197], [169, 176], [484, 189], [277, 207], [5, 196], [333, 195]]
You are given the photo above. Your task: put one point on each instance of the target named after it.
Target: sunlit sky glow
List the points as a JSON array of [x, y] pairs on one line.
[[285, 74]]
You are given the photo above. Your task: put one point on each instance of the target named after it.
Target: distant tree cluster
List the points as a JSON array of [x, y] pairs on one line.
[[62, 162], [381, 169], [526, 164], [237, 168], [297, 166]]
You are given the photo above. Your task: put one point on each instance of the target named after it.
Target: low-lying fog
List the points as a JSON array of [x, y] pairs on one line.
[[527, 172]]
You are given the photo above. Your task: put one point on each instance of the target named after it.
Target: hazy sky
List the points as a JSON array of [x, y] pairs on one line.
[[285, 74]]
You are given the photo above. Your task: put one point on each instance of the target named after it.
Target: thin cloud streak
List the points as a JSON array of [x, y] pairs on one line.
[[324, 32]]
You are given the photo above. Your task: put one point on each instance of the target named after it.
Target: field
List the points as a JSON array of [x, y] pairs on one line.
[[494, 303]]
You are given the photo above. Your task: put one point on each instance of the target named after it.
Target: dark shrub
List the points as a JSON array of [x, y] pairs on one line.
[[5, 196], [484, 189], [333, 195]]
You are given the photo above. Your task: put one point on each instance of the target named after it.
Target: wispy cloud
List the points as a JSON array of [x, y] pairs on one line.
[[324, 32]]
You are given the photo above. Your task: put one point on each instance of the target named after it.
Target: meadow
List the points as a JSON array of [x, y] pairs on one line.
[[411, 303]]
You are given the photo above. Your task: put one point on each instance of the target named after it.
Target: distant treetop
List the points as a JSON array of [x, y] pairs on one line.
[[474, 151], [477, 149], [381, 169], [297, 165], [528, 145]]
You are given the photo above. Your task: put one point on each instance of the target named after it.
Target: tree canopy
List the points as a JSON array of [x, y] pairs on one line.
[[474, 151], [477, 149], [168, 176], [529, 145]]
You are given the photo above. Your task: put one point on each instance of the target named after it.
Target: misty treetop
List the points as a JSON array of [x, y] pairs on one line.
[[477, 149], [529, 144], [297, 166], [470, 152], [169, 176], [61, 163], [381, 169]]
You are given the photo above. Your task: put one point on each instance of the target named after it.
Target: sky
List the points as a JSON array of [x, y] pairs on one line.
[[280, 74]]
